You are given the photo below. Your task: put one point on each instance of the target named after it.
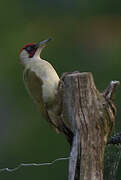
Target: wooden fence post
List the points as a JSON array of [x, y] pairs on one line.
[[90, 116]]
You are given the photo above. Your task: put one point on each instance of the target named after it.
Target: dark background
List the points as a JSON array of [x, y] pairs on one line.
[[86, 37]]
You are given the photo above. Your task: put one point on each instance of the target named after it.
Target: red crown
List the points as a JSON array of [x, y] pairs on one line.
[[30, 44]]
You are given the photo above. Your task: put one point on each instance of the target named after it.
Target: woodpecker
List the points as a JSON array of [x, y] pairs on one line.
[[41, 82]]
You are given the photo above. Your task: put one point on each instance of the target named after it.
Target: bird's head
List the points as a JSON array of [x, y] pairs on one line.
[[31, 51]]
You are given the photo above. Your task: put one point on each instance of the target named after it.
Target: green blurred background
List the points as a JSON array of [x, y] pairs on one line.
[[86, 37]]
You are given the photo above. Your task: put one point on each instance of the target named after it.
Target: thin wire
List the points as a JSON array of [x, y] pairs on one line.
[[32, 164]]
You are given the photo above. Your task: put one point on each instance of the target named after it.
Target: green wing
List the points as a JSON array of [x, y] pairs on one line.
[[50, 111], [33, 85]]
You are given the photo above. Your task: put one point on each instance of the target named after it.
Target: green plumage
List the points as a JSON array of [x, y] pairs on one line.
[[41, 82]]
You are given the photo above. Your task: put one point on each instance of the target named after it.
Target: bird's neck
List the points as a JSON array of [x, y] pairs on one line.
[[27, 61]]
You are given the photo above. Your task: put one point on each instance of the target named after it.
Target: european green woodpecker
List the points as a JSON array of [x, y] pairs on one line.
[[41, 82]]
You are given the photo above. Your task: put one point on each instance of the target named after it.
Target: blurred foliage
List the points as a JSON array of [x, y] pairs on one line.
[[86, 37], [112, 159]]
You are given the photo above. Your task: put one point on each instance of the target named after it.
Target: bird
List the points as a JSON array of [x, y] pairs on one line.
[[42, 81]]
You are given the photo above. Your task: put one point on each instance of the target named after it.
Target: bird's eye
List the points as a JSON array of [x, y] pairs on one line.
[[29, 48]]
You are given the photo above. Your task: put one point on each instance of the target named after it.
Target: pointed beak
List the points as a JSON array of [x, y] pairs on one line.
[[43, 43]]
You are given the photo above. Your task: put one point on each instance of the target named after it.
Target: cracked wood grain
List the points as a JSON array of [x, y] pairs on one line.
[[90, 116]]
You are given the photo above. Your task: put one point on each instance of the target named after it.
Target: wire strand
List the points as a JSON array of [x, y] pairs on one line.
[[32, 164]]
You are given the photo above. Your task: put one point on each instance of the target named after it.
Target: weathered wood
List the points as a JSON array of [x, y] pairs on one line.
[[90, 116]]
